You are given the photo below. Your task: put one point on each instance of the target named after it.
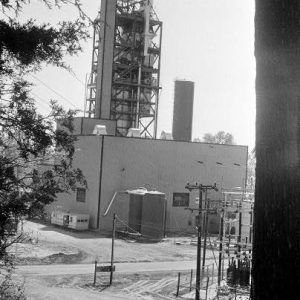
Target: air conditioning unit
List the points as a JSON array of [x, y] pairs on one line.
[[134, 132], [166, 136], [100, 130]]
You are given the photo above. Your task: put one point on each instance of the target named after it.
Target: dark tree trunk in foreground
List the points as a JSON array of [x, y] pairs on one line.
[[276, 249]]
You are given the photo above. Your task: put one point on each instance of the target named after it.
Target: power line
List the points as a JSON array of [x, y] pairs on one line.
[[51, 89], [40, 98], [43, 103], [75, 76], [5, 14]]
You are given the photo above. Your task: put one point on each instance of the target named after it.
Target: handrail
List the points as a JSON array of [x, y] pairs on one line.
[[120, 192], [112, 200]]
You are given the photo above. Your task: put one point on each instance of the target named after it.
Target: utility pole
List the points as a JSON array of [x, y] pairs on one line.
[[220, 245], [205, 227], [251, 226], [240, 233], [200, 188], [112, 250]]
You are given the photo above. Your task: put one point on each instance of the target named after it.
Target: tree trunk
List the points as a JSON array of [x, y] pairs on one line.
[[276, 248]]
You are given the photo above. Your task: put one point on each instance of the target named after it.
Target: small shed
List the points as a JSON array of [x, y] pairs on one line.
[[147, 213], [141, 211]]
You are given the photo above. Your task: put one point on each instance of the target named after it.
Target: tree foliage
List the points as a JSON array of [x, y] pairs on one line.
[[28, 46], [35, 157], [220, 137]]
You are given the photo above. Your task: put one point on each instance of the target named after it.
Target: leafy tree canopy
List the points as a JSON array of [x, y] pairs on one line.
[[35, 157], [220, 137]]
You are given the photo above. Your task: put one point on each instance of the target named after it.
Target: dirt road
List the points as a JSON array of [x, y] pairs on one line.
[[75, 294], [154, 280], [76, 269]]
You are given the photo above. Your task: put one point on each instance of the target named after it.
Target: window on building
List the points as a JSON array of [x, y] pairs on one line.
[[81, 194], [181, 199]]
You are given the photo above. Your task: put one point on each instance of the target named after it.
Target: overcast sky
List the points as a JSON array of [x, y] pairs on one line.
[[210, 42]]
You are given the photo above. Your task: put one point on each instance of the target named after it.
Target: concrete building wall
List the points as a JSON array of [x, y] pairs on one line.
[[162, 165], [246, 231], [247, 218], [167, 166], [87, 158]]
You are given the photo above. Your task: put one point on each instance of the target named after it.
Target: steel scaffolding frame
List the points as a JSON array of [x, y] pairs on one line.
[[135, 71], [90, 101]]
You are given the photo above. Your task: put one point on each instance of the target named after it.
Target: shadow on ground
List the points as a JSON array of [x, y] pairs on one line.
[[86, 234]]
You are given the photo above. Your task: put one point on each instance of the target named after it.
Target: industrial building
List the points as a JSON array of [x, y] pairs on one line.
[[113, 164], [117, 146], [238, 216]]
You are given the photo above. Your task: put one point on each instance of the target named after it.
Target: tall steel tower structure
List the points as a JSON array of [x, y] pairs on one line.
[[124, 81]]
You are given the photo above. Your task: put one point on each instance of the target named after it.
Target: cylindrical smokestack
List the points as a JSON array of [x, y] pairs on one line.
[[183, 110]]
